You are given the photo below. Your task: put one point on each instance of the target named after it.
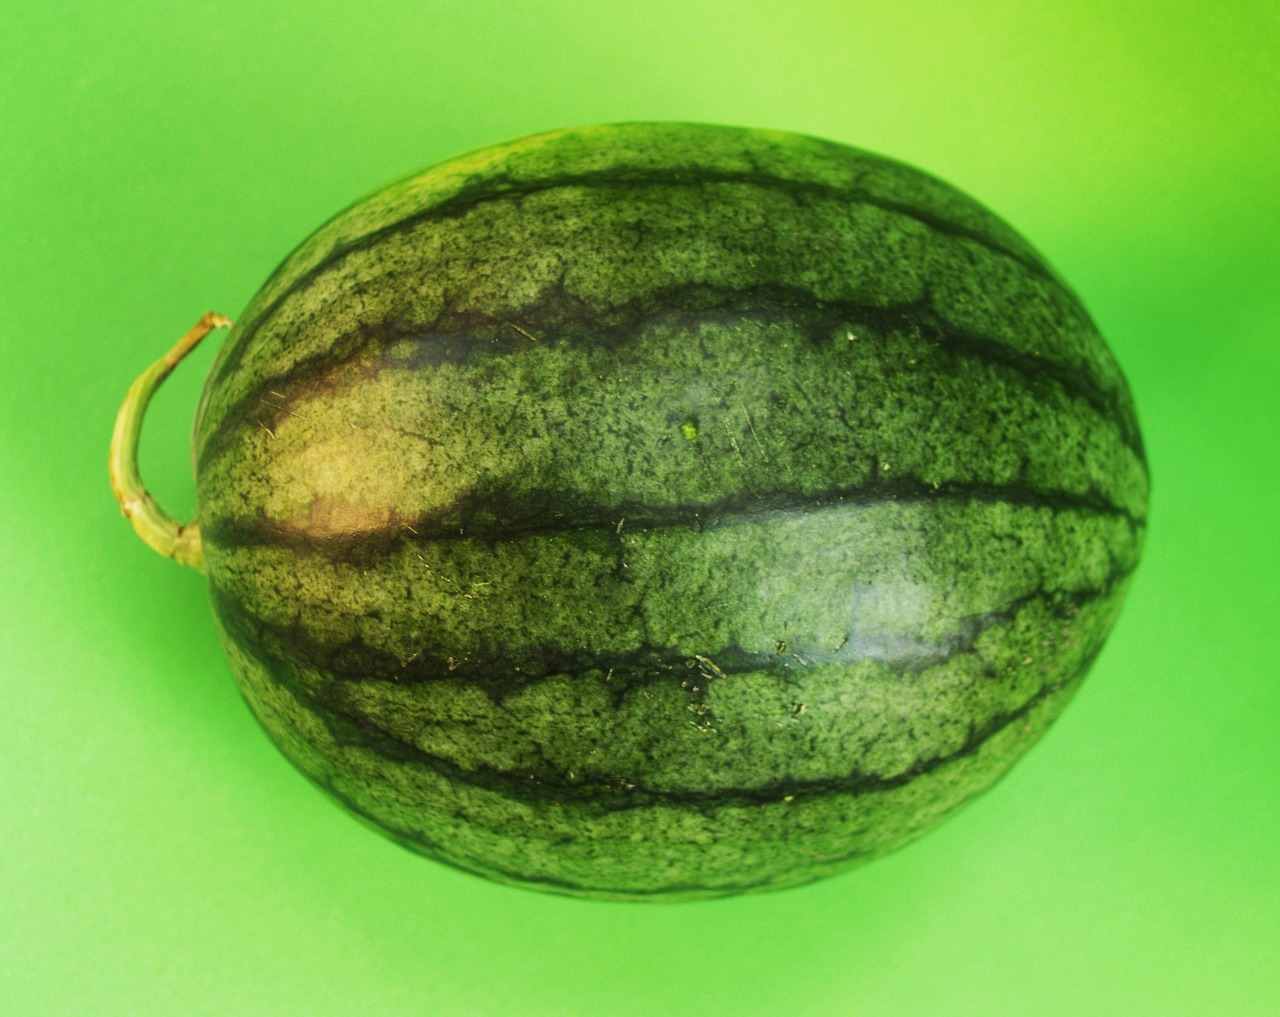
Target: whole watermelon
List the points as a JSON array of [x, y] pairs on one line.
[[663, 510]]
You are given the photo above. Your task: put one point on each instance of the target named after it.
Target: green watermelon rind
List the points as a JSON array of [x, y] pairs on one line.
[[660, 510]]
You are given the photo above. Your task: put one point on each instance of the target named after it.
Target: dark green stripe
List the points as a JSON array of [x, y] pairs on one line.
[[501, 675], [496, 518], [485, 192], [605, 794], [461, 337]]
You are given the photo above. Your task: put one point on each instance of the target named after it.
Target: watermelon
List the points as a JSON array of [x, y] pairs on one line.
[[659, 511]]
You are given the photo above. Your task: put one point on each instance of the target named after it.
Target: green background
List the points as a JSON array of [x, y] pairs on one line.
[[158, 857]]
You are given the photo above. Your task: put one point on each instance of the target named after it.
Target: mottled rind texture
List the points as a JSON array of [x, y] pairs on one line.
[[663, 510]]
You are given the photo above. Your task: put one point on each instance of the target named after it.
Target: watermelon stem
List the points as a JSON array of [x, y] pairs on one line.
[[158, 530]]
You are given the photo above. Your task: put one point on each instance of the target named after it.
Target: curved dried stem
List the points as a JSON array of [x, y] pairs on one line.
[[158, 530]]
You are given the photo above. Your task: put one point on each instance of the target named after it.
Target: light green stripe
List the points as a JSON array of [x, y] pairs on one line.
[[627, 149], [684, 414], [914, 589], [513, 259]]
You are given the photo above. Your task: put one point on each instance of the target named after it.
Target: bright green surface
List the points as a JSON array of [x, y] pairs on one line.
[[160, 857]]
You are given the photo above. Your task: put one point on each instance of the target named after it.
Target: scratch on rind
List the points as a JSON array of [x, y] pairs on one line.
[[754, 437], [282, 406], [523, 331], [709, 664], [742, 463]]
